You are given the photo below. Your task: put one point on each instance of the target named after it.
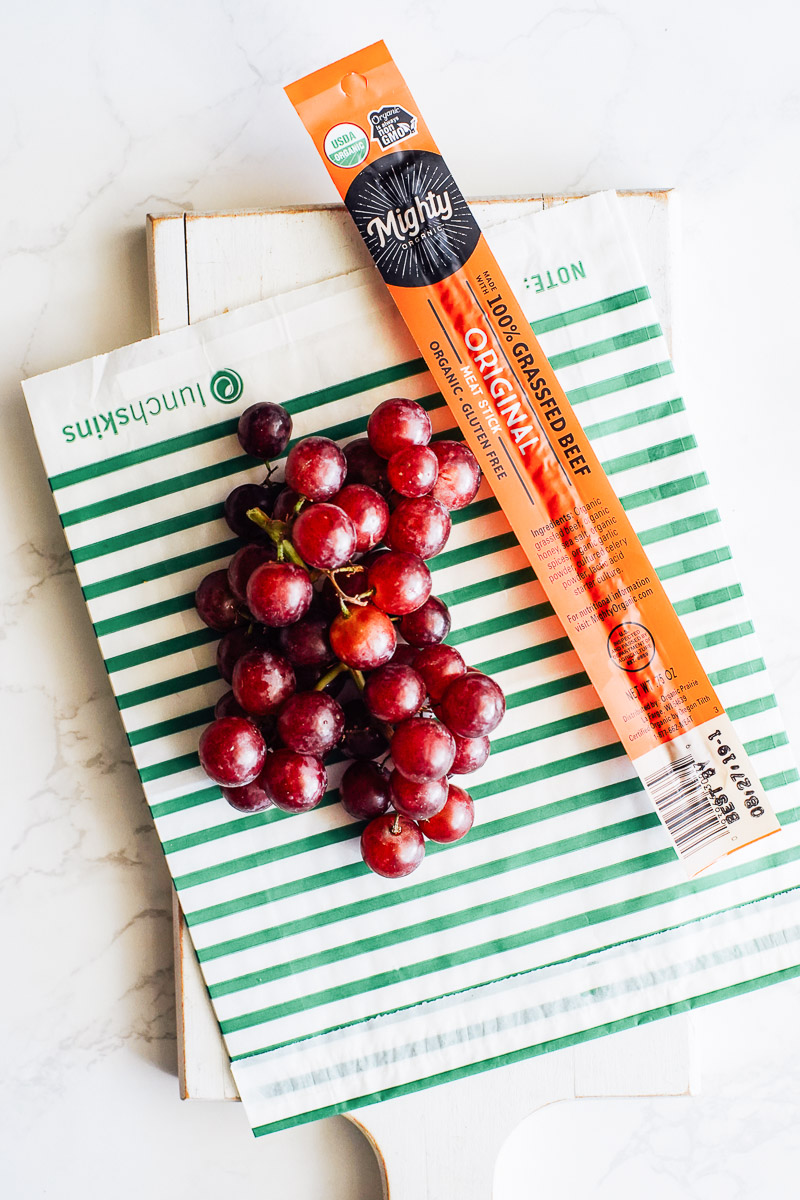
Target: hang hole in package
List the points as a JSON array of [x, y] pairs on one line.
[[516, 417]]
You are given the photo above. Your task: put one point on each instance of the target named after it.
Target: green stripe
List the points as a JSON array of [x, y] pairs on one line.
[[165, 808], [448, 558], [579, 921], [453, 558], [150, 533], [163, 487], [215, 512], [512, 620], [159, 570], [140, 616], [782, 779], [772, 741], [474, 511], [388, 899], [643, 416], [488, 587], [749, 709], [168, 687], [151, 733], [696, 562], [535, 774], [660, 533], [221, 429], [527, 1052], [207, 474], [451, 920], [619, 383], [620, 341], [184, 762], [718, 636], [651, 454], [664, 491], [175, 645], [459, 595], [738, 671], [586, 311], [708, 599], [262, 858], [538, 733], [523, 658]]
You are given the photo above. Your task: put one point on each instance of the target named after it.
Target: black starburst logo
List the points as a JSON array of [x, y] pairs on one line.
[[415, 222]]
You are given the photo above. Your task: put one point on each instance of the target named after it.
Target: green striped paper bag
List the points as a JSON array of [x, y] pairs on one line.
[[566, 913]]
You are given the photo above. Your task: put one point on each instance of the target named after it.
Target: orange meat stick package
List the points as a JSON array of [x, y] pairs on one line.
[[517, 420]]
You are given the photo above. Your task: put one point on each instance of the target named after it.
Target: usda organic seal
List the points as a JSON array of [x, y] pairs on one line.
[[346, 145]]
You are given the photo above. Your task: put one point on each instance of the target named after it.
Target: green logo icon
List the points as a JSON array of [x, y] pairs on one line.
[[346, 145], [226, 386]]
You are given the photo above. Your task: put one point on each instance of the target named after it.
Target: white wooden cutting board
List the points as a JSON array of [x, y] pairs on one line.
[[201, 265]]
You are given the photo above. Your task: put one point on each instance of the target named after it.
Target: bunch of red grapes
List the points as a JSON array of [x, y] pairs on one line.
[[332, 567]]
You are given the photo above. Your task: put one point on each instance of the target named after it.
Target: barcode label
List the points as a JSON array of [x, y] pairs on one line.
[[707, 793], [684, 805]]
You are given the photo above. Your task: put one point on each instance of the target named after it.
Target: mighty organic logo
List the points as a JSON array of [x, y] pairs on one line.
[[415, 222], [225, 386]]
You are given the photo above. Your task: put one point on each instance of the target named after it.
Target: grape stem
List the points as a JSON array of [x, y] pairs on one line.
[[329, 677], [358, 678], [276, 530], [396, 827], [362, 599]]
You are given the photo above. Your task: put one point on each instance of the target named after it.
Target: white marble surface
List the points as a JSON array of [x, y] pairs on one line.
[[111, 110]]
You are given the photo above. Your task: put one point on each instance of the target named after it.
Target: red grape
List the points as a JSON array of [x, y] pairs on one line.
[[305, 643], [237, 503], [365, 466], [231, 646], [404, 655], [454, 820], [417, 800], [419, 527], [396, 424], [364, 790], [285, 505], [401, 582], [473, 705], [413, 471], [310, 723], [368, 511], [264, 430], [439, 666], [423, 749], [316, 468], [392, 846], [362, 736], [364, 639], [427, 625], [296, 782], [279, 593], [215, 602], [394, 692], [242, 565], [262, 681], [232, 751], [253, 797], [229, 706], [324, 536], [471, 753], [459, 474]]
